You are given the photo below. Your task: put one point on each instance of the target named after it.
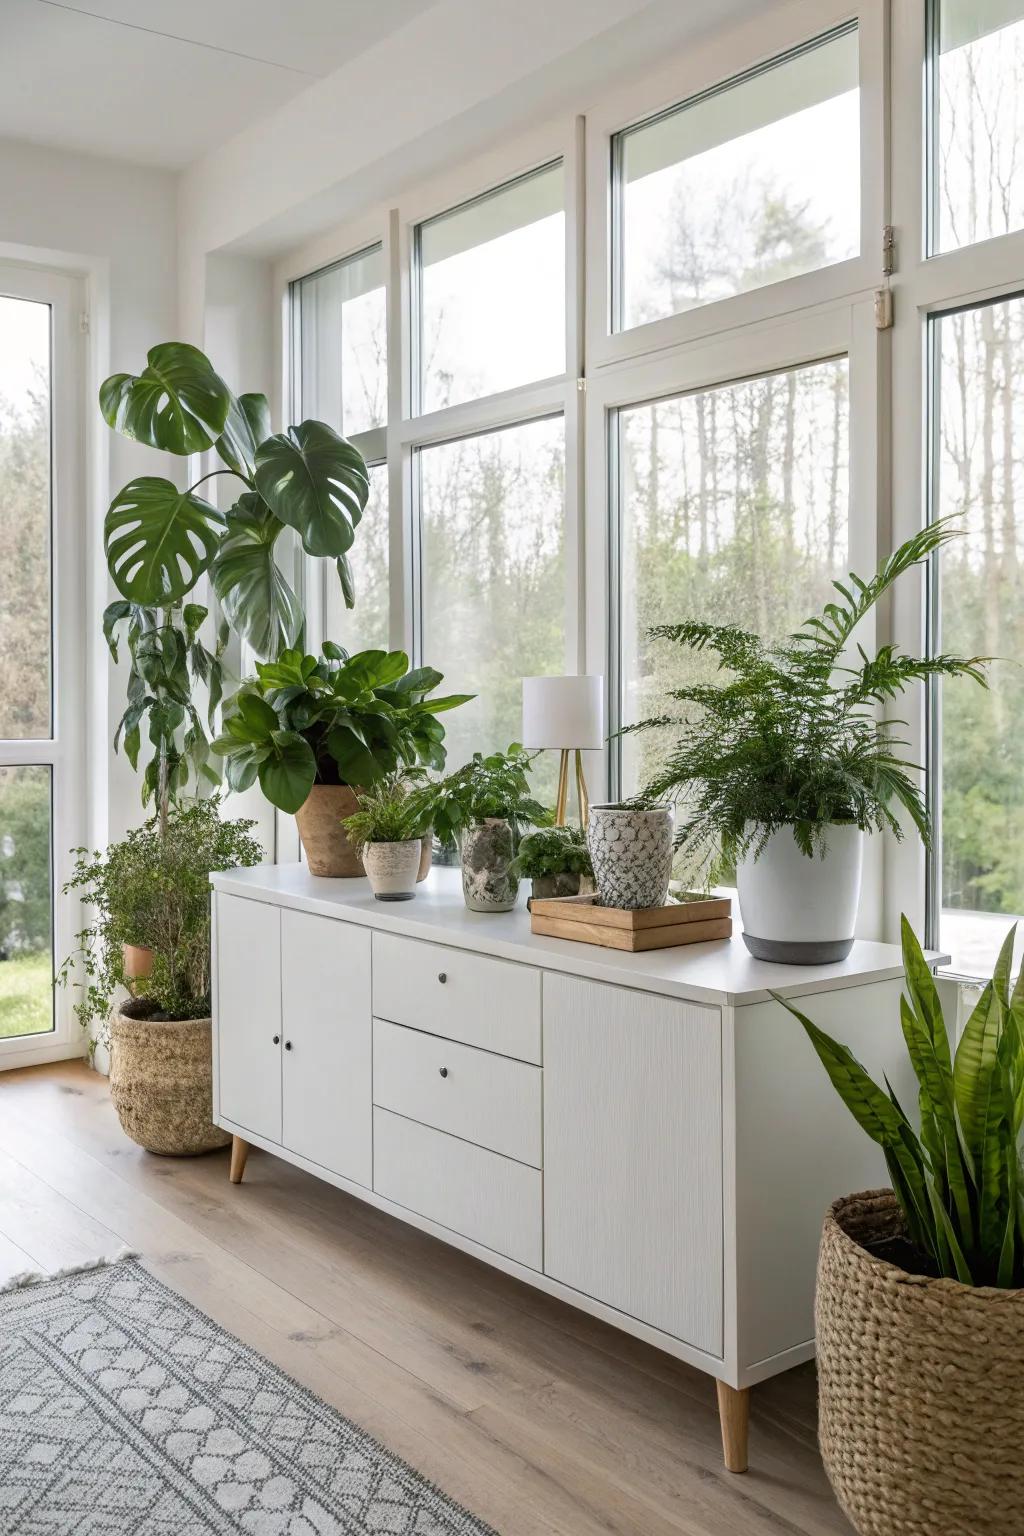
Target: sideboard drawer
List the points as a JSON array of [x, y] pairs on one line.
[[471, 1093], [494, 1004], [489, 1199]]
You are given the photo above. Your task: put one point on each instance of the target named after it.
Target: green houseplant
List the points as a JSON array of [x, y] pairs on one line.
[[556, 860], [484, 806], [153, 889], [387, 831], [920, 1306], [783, 767], [312, 730]]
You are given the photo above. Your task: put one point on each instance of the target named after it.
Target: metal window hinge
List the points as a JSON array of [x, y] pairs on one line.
[[83, 323], [883, 309], [888, 250], [581, 385]]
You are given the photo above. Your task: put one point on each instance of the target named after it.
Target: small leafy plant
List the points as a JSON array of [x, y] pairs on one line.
[[552, 851], [384, 816], [792, 738], [153, 889], [959, 1180], [336, 719], [494, 786]]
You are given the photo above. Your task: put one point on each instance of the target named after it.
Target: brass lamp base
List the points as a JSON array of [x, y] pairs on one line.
[[562, 797]]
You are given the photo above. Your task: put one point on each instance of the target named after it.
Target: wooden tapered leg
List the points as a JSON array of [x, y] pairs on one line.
[[239, 1153], [734, 1413]]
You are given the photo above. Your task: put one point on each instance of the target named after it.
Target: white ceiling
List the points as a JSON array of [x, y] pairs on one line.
[[162, 81]]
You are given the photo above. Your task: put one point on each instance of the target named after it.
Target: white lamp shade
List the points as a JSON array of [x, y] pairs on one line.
[[563, 712]]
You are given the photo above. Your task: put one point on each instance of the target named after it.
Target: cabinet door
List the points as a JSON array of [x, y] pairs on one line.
[[248, 1020], [633, 1154], [328, 1032]]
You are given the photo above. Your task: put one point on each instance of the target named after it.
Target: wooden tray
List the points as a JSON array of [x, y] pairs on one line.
[[679, 922]]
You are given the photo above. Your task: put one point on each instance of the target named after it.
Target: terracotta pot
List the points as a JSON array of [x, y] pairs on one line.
[[327, 845], [426, 854], [137, 961], [161, 1082]]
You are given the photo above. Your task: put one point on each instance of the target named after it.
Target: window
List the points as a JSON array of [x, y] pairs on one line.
[[491, 299], [341, 343], [977, 82], [749, 183], [733, 506], [492, 577], [977, 430], [366, 627]]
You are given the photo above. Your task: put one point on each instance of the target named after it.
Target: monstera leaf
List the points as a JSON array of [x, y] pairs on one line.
[[159, 540], [247, 425], [177, 403], [316, 482], [257, 601]]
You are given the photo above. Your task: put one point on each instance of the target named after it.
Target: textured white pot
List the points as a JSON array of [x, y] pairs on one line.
[[798, 910], [391, 869], [631, 851]]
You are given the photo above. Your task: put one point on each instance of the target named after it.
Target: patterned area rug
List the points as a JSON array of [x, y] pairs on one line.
[[124, 1410]]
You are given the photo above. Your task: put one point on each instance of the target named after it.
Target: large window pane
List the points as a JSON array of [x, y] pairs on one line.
[[342, 344], [978, 431], [26, 957], [734, 507], [978, 101], [366, 626], [492, 514], [24, 519], [492, 292], [747, 184]]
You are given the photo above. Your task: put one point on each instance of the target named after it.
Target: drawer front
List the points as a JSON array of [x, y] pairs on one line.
[[490, 1199], [483, 1098], [494, 1004]]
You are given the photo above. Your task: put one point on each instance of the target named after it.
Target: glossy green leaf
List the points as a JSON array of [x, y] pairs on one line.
[[347, 580], [317, 483], [287, 775], [250, 586], [159, 541], [247, 425], [177, 403]]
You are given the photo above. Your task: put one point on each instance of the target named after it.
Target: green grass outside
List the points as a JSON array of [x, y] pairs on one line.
[[26, 995]]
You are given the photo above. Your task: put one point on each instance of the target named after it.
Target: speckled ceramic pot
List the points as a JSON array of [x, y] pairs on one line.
[[487, 849], [391, 869], [631, 851]]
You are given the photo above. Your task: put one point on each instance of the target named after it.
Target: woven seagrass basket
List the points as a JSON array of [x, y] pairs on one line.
[[161, 1082], [921, 1386]]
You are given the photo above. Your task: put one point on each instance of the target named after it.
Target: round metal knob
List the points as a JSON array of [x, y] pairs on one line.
[[444, 1071], [287, 1045], [442, 977], [277, 1039]]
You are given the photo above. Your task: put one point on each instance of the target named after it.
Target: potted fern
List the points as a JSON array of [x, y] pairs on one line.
[[920, 1299], [783, 767], [386, 831]]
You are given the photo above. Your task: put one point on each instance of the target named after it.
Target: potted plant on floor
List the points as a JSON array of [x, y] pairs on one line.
[[153, 888], [556, 862], [484, 806], [920, 1306], [784, 767], [315, 730], [385, 830]]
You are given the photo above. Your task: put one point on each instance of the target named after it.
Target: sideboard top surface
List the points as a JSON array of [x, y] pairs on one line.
[[723, 972]]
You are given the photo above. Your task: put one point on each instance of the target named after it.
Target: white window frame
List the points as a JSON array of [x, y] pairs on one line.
[[64, 751]]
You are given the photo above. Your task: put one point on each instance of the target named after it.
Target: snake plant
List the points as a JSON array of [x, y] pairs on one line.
[[957, 1176]]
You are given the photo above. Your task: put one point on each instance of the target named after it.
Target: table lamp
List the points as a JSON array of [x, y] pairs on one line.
[[564, 714]]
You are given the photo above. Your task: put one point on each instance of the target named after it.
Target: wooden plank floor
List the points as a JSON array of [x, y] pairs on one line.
[[543, 1421]]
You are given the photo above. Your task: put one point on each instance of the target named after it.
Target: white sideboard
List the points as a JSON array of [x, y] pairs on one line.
[[649, 1137]]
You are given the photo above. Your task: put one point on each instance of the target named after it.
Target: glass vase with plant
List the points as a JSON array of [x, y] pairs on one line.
[[387, 832], [484, 806], [783, 767], [556, 860], [314, 730]]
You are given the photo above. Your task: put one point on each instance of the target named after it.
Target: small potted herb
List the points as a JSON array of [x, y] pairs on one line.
[[386, 830], [484, 806], [557, 862]]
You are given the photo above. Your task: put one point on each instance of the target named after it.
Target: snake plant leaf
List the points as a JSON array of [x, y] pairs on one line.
[[977, 1076], [250, 586], [317, 483], [247, 425], [288, 773], [939, 1131], [159, 540], [177, 403]]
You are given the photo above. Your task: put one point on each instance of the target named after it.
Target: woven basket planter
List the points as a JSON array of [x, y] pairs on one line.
[[161, 1082], [921, 1386]]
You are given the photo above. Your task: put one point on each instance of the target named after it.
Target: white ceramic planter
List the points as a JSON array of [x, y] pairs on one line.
[[486, 850], [798, 910], [391, 869], [631, 851]]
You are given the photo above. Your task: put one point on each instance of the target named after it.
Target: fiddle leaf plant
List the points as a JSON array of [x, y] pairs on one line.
[[160, 540]]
